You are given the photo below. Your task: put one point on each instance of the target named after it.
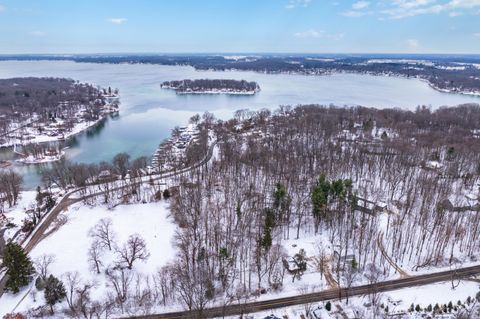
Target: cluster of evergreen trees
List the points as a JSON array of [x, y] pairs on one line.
[[20, 272]]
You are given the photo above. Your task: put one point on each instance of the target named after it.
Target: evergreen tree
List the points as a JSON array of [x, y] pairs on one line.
[[320, 197], [19, 267], [328, 306], [266, 241], [281, 201], [54, 291], [166, 194], [354, 263]]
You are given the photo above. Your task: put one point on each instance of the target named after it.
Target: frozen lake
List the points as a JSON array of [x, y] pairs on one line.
[[148, 113]]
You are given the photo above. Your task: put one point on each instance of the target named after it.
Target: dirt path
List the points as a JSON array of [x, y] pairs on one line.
[[403, 273], [328, 274]]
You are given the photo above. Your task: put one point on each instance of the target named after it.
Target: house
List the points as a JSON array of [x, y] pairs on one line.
[[343, 260], [105, 175]]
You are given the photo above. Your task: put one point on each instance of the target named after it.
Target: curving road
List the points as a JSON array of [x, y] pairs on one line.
[[37, 235]]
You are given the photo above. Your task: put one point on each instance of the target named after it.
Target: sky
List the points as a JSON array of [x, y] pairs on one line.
[[231, 26]]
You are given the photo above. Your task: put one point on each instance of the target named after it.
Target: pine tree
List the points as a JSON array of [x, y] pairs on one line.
[[166, 194], [19, 267], [354, 263], [54, 291], [328, 306]]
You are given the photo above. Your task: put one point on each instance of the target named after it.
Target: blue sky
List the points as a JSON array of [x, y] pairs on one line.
[[309, 26]]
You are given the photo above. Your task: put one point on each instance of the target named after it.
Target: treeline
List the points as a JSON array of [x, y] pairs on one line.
[[43, 95], [65, 174], [202, 85], [10, 186], [21, 98]]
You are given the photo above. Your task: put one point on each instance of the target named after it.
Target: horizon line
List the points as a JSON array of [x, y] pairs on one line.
[[236, 53]]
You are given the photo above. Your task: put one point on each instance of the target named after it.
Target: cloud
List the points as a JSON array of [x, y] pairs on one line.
[[38, 34], [353, 13], [309, 34], [399, 9], [455, 14], [477, 35], [117, 20], [358, 9], [413, 44], [292, 4], [316, 34], [409, 8], [2, 8], [360, 5]]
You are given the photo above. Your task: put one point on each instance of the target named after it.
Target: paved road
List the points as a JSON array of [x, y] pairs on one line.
[[76, 196], [237, 310], [2, 241]]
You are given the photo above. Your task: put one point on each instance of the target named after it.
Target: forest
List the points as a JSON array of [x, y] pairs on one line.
[[372, 193], [212, 85], [43, 95], [41, 109]]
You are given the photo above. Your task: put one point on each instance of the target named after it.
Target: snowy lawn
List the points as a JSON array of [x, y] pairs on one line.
[[71, 242], [16, 214]]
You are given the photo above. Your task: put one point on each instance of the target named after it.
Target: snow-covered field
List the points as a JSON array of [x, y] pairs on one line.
[[70, 243]]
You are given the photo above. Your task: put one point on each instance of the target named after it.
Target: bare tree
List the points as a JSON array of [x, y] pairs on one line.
[[307, 307], [134, 249], [104, 233], [95, 254], [72, 281], [350, 274], [120, 278], [121, 162], [42, 263], [373, 275]]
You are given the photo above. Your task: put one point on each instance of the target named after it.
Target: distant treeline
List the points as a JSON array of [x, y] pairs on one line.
[[202, 85], [44, 94], [21, 98]]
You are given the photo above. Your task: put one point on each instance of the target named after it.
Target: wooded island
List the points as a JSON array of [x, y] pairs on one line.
[[212, 86]]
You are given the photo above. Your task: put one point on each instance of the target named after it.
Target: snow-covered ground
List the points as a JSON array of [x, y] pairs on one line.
[[70, 243], [44, 159], [36, 137], [397, 301], [16, 215]]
